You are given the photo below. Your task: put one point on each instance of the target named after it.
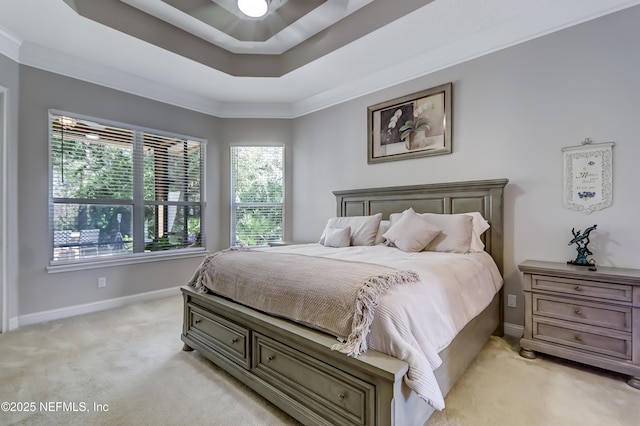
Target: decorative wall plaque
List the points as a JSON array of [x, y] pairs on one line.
[[588, 171]]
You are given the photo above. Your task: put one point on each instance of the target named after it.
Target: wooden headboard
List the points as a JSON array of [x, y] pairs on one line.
[[484, 196]]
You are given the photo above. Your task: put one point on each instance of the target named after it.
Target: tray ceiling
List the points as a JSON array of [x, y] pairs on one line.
[[301, 57]]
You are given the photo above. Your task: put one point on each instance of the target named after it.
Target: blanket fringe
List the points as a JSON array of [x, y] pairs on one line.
[[199, 280], [367, 300]]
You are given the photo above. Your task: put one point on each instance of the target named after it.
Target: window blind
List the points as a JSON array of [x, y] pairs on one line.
[[257, 187], [117, 189]]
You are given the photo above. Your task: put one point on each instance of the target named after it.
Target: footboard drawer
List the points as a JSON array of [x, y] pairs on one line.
[[334, 395], [220, 334]]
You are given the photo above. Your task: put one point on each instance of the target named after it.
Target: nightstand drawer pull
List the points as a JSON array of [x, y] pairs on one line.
[[270, 358], [342, 397], [236, 340], [578, 288], [198, 321], [578, 311], [578, 338]]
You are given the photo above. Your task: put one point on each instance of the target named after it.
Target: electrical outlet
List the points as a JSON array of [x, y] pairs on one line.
[[511, 300], [102, 282]]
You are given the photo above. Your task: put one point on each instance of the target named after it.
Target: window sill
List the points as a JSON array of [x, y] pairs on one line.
[[71, 266]]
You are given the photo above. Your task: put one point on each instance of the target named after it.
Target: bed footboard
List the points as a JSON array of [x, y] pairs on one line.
[[293, 366]]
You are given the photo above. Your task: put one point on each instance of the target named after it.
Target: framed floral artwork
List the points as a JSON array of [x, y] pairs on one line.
[[416, 125]]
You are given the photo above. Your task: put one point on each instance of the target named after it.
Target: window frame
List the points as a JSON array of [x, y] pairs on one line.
[[138, 201], [233, 204]]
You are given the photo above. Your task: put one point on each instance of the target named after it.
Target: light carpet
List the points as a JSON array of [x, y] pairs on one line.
[[126, 367]]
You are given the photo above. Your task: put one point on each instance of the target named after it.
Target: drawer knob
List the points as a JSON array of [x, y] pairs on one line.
[[578, 311], [578, 338], [270, 358], [578, 288], [233, 341], [197, 321], [342, 397]]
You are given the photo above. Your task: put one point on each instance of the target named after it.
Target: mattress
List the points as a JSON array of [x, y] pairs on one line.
[[414, 322]]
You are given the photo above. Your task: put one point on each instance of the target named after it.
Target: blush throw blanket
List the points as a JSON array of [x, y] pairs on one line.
[[335, 296]]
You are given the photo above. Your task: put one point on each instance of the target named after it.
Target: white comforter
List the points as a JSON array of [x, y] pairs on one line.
[[416, 321]]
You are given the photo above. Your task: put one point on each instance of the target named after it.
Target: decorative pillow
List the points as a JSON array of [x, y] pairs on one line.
[[394, 217], [338, 237], [363, 228], [480, 226], [384, 227], [411, 233], [455, 234]]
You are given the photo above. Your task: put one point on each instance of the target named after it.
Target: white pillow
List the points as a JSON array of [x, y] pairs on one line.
[[411, 233], [480, 226], [363, 228], [338, 237], [455, 234], [384, 227]]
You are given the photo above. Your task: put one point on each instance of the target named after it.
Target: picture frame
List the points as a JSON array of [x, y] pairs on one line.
[[411, 126]]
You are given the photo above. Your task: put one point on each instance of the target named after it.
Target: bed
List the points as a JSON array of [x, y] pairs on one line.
[[295, 367]]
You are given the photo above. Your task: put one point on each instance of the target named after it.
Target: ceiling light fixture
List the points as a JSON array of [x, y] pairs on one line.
[[254, 8]]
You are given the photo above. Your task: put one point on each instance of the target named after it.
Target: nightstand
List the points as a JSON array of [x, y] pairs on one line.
[[592, 317], [284, 243]]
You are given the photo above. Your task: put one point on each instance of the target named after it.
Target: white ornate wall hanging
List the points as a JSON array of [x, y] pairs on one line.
[[588, 170]]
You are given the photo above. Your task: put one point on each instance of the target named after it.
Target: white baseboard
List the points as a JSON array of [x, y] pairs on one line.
[[514, 330], [13, 323], [87, 308]]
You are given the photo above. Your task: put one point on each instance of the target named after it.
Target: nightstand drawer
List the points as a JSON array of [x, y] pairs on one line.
[[594, 339], [594, 289], [598, 314]]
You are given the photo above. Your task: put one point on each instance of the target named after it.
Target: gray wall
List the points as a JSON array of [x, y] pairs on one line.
[[42, 291], [513, 112]]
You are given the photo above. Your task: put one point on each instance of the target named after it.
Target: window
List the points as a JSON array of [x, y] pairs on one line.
[[257, 195], [119, 190]]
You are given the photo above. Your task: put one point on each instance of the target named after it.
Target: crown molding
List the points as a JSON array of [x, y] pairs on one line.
[[513, 30], [70, 66], [10, 45], [257, 110]]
